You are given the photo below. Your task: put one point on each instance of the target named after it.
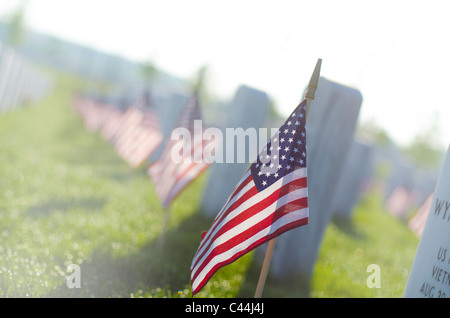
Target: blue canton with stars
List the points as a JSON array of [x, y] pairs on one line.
[[285, 152]]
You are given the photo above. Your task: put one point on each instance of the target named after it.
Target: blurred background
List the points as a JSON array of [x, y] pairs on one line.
[[393, 53]]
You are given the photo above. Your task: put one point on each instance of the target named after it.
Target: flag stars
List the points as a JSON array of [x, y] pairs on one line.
[[264, 183], [286, 148], [289, 123], [283, 157], [286, 131], [291, 140], [303, 134], [293, 131], [299, 142], [291, 159], [295, 150], [288, 167]]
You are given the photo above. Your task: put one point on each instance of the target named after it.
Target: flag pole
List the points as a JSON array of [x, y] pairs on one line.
[[309, 96]]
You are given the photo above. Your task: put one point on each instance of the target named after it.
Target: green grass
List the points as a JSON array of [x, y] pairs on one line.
[[67, 198]]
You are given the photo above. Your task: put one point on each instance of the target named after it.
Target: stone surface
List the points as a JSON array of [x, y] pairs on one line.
[[357, 172], [330, 129], [430, 272], [248, 109]]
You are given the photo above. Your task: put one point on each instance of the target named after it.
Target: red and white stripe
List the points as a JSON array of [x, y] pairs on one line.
[[131, 120], [417, 222], [170, 177], [140, 139], [400, 201], [249, 219], [112, 124]]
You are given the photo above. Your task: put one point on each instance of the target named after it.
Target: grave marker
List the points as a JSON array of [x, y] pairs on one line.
[[330, 129], [248, 110], [430, 272]]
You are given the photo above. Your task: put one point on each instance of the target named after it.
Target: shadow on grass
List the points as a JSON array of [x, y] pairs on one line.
[[290, 287], [91, 204], [166, 266], [348, 226]]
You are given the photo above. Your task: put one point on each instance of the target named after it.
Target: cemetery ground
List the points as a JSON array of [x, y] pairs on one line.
[[67, 198]]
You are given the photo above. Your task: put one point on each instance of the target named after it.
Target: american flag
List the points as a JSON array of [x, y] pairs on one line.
[[171, 177], [400, 201], [93, 113], [112, 124], [271, 198], [418, 221], [141, 134]]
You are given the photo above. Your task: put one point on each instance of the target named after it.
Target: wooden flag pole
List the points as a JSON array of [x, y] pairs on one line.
[[309, 96]]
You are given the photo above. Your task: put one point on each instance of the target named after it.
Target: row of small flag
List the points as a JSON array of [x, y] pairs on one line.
[[401, 201], [263, 204]]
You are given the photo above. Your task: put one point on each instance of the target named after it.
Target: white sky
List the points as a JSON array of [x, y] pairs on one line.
[[395, 52]]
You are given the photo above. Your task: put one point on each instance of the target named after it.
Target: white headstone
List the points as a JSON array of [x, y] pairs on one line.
[[355, 173], [248, 110], [330, 128], [168, 109], [430, 273]]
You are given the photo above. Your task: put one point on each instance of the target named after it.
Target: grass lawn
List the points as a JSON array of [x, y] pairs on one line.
[[67, 198]]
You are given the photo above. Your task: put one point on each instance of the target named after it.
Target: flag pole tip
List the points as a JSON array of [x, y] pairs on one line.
[[314, 81]]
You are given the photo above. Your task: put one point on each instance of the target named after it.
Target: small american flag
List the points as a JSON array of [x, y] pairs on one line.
[[93, 113], [112, 124], [400, 201], [170, 177], [271, 198], [141, 136], [418, 221]]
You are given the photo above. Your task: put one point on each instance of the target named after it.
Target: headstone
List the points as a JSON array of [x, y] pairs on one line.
[[6, 69], [168, 109], [430, 272], [330, 128], [357, 171], [248, 109], [396, 169]]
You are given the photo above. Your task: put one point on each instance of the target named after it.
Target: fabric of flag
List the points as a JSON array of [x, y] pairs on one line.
[[171, 177], [400, 201], [93, 113], [418, 221], [270, 199], [141, 134], [112, 124]]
